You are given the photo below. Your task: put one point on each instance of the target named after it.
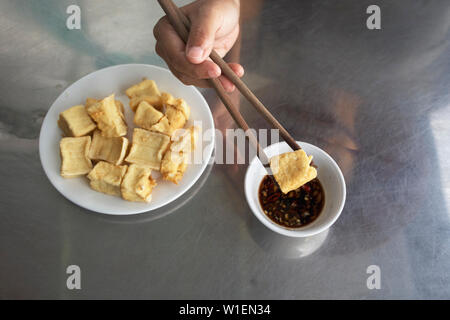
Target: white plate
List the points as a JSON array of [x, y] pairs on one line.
[[116, 80], [330, 177]]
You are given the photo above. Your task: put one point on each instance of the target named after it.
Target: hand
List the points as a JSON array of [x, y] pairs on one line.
[[214, 25]]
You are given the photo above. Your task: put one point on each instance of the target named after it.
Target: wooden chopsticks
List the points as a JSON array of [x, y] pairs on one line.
[[182, 25]]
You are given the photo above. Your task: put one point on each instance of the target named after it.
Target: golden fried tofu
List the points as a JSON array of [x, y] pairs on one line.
[[173, 119], [154, 101], [175, 160], [137, 185], [146, 90], [173, 166], [74, 156], [163, 126], [75, 122], [146, 116], [119, 105], [108, 117], [91, 101], [183, 107], [176, 118], [184, 140], [292, 170], [148, 148], [167, 99], [112, 150], [106, 178], [145, 87]]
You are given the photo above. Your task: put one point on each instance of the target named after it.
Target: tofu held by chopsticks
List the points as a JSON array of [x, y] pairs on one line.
[[292, 170]]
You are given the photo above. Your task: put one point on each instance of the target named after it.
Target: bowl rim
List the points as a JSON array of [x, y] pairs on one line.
[[307, 232]]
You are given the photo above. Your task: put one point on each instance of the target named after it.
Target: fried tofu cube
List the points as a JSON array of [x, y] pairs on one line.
[[176, 118], [145, 87], [175, 160], [173, 166], [182, 105], [119, 105], [155, 101], [91, 101], [75, 122], [112, 150], [148, 148], [292, 170], [138, 184], [163, 126], [146, 90], [106, 178], [184, 140], [173, 119], [74, 156], [146, 115], [108, 118], [168, 100]]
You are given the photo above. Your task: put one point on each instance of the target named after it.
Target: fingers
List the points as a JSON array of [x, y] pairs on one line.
[[189, 80], [237, 68], [226, 83], [203, 83], [172, 49], [205, 23]]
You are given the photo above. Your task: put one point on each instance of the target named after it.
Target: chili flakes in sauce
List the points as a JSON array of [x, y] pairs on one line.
[[295, 209]]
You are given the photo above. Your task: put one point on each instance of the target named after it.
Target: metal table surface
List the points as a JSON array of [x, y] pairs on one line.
[[376, 100]]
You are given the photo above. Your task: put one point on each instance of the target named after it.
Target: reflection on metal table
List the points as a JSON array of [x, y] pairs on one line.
[[376, 100]]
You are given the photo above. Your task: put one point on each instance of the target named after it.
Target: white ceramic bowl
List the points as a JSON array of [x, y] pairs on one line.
[[329, 175], [100, 84]]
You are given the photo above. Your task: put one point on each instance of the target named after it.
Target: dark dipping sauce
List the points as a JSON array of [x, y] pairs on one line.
[[295, 209]]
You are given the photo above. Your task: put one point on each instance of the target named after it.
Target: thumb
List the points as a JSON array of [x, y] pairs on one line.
[[202, 35]]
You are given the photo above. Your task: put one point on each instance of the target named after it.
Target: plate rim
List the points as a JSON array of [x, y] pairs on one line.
[[61, 190]]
